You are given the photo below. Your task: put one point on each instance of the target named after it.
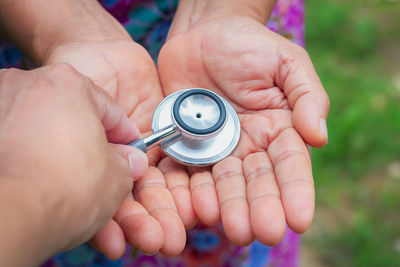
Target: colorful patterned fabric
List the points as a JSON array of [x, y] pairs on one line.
[[206, 247], [148, 23]]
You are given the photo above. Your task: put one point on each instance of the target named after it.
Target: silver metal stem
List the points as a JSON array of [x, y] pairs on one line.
[[157, 137]]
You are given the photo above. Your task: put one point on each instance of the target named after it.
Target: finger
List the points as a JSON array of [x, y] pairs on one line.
[[138, 161], [204, 196], [177, 180], [231, 190], [266, 211], [125, 163], [155, 155], [307, 97], [291, 161], [110, 241], [140, 229], [309, 118], [152, 193], [116, 123]]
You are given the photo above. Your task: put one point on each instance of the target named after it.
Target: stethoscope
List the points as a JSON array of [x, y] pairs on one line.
[[194, 127]]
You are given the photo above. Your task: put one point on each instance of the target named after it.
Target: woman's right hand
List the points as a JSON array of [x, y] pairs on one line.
[[97, 46]]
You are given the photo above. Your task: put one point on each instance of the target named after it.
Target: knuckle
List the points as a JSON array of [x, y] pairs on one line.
[[230, 199], [258, 173], [294, 51], [64, 71], [71, 79], [300, 51], [62, 68], [43, 82], [227, 167], [204, 185], [149, 184], [287, 155], [296, 56], [157, 210], [307, 181], [264, 196], [226, 175], [323, 98]]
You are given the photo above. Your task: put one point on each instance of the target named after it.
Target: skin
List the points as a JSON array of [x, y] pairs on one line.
[[125, 71], [85, 36], [223, 47], [49, 167], [281, 104]]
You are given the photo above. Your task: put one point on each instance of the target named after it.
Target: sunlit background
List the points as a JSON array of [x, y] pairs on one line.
[[355, 46]]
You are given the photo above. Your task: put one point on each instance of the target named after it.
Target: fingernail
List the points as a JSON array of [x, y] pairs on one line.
[[323, 129], [137, 160], [150, 254]]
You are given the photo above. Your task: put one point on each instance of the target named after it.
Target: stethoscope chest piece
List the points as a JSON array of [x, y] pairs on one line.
[[195, 127]]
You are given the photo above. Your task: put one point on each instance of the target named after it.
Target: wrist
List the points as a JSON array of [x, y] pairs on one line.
[[194, 12]]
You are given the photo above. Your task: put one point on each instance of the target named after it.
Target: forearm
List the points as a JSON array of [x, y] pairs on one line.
[[36, 26], [191, 12]]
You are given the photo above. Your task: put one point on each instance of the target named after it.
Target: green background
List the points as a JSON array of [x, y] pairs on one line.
[[355, 46]]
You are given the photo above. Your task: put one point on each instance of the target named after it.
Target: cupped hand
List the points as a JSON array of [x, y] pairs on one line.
[[148, 219], [282, 106], [61, 169]]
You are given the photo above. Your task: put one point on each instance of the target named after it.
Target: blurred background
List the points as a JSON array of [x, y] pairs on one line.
[[355, 46]]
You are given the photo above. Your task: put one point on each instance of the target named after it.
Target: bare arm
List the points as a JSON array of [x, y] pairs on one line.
[[38, 26]]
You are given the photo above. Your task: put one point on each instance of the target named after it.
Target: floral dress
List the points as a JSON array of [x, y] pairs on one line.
[[148, 23]]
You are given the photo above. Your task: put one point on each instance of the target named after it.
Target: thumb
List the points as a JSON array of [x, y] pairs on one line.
[[116, 123], [137, 160], [307, 97], [309, 118], [119, 130]]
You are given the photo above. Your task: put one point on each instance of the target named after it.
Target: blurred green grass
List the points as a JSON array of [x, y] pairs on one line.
[[355, 46]]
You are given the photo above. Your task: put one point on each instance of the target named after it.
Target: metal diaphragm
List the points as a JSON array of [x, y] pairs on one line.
[[199, 112], [208, 126]]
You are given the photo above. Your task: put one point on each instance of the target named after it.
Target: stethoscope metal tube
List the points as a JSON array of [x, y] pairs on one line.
[[156, 138], [194, 127]]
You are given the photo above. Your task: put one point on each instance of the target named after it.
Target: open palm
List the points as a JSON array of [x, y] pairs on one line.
[[270, 81], [148, 219]]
